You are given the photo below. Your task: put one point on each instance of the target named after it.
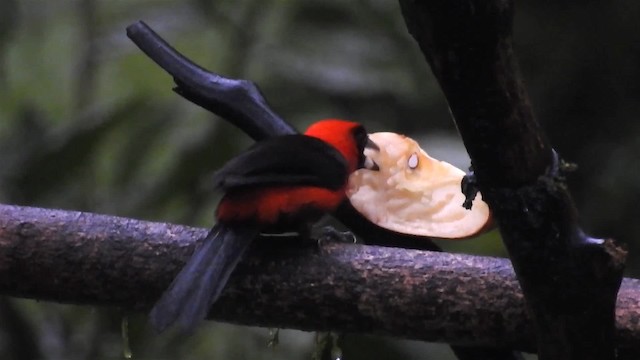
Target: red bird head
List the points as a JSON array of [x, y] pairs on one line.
[[349, 138]]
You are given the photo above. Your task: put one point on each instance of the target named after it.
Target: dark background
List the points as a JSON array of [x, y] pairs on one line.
[[87, 122]]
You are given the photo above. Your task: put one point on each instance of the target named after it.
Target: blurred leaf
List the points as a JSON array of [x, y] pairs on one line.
[[9, 23], [61, 154]]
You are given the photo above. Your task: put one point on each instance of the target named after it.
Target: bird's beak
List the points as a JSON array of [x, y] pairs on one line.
[[370, 164], [368, 161], [371, 145]]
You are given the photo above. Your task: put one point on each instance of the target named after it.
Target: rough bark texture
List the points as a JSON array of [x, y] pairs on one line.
[[569, 280], [90, 259]]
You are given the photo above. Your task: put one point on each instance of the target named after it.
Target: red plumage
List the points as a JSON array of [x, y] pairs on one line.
[[269, 204], [280, 184]]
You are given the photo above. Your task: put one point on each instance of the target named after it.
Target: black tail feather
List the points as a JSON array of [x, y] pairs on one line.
[[201, 281]]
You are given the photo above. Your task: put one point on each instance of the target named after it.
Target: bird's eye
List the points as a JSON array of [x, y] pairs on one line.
[[413, 161]]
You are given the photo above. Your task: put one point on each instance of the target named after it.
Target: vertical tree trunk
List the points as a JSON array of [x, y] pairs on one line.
[[569, 280]]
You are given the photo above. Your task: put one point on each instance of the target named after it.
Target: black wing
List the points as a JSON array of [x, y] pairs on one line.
[[285, 160]]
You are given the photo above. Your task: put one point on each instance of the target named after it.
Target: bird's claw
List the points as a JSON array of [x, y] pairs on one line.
[[330, 234]]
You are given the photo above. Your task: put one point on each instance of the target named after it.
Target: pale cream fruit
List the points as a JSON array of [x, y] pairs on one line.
[[413, 193]]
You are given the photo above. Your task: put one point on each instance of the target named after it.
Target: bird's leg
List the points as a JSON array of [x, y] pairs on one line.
[[330, 234], [325, 233]]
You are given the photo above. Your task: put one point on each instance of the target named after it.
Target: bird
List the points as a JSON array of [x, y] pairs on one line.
[[281, 184]]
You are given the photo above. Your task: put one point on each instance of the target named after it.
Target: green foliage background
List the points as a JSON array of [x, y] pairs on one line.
[[87, 122]]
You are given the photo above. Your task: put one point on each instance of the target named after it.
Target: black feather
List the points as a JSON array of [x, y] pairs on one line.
[[201, 281], [285, 160]]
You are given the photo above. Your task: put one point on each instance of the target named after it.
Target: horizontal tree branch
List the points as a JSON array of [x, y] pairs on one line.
[[83, 258]]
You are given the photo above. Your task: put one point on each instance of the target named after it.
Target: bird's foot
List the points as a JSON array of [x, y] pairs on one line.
[[329, 234]]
